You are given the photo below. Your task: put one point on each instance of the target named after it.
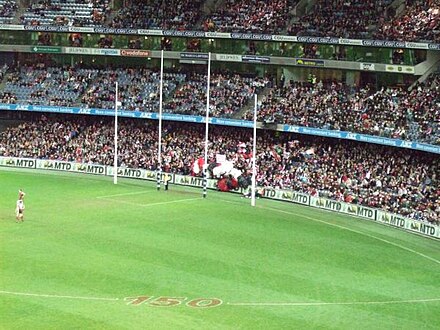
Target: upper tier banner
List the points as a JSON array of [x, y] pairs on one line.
[[223, 35]]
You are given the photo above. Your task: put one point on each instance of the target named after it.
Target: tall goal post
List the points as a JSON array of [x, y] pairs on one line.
[[254, 154], [205, 168], [159, 151], [115, 160]]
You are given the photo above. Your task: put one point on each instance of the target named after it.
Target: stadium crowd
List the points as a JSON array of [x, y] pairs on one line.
[[138, 89], [402, 181], [171, 14], [341, 18], [8, 8], [228, 94], [391, 112], [251, 16], [40, 84], [183, 93], [66, 12], [419, 22]]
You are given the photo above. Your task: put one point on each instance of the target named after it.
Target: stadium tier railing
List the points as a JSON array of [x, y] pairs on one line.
[[227, 122], [376, 65], [377, 215], [226, 35]]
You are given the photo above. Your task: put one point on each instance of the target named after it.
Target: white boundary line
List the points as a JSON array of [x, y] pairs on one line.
[[154, 204], [55, 296], [357, 232], [411, 301], [346, 228], [274, 304], [126, 194]]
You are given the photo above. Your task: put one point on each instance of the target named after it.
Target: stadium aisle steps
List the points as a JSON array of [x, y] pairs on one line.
[[20, 12], [250, 104]]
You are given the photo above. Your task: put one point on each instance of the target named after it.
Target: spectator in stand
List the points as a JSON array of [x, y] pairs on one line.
[[135, 43], [3, 71], [8, 98], [76, 40], [401, 181], [44, 39], [105, 41]]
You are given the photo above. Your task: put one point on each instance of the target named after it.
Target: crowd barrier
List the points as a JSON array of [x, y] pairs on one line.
[[364, 212]]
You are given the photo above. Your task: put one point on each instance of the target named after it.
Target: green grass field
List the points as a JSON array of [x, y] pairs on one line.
[[92, 255]]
